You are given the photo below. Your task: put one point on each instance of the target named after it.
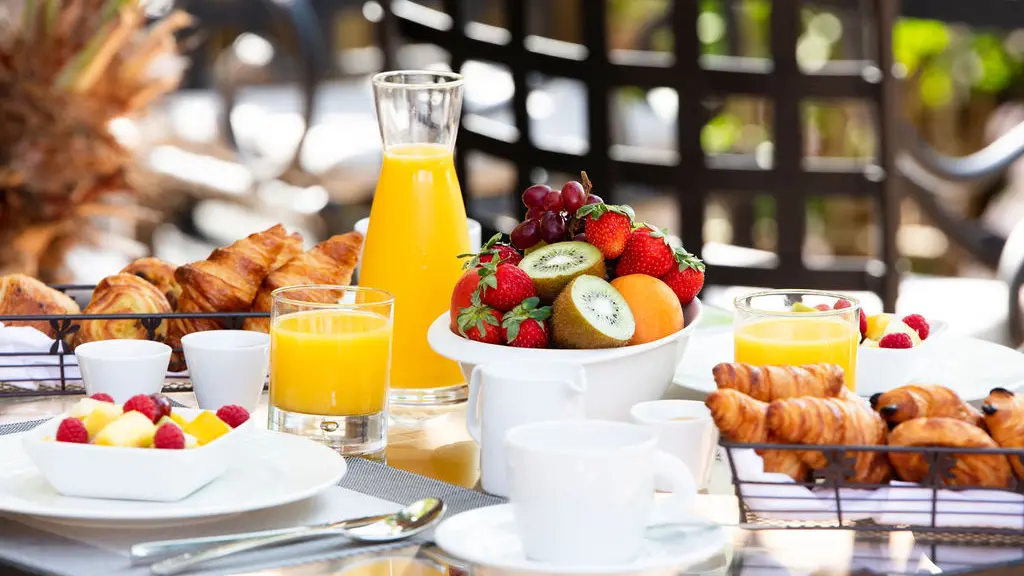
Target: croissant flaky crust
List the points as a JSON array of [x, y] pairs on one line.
[[292, 247], [923, 401], [122, 294], [985, 470], [769, 383], [159, 274], [740, 418], [838, 421], [1004, 417], [330, 262], [22, 295]]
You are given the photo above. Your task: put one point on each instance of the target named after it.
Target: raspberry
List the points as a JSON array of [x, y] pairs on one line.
[[102, 397], [169, 437], [823, 307], [233, 415], [141, 403], [841, 303], [896, 340], [919, 324], [72, 430], [863, 324]]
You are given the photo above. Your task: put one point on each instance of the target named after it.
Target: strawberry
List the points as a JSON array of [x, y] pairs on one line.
[[896, 340], [480, 322], [504, 286], [686, 279], [462, 294], [919, 324], [504, 252], [647, 252], [525, 326], [607, 227]]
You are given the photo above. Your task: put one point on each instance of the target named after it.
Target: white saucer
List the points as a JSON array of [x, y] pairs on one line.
[[487, 537], [968, 366], [271, 469]]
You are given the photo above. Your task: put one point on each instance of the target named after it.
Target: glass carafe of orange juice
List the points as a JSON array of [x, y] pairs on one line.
[[417, 226]]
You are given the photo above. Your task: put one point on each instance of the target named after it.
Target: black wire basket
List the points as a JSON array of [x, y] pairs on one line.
[[932, 508], [65, 326]]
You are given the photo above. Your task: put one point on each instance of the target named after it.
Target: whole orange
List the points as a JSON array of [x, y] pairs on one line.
[[654, 305]]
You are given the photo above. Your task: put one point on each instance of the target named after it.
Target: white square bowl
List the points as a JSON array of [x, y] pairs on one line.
[[882, 369], [117, 473]]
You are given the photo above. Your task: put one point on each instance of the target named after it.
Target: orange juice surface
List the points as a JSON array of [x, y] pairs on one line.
[[329, 362], [797, 341], [417, 230]]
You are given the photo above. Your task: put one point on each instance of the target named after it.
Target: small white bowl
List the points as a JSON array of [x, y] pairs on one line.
[[227, 366], [882, 369], [617, 378], [123, 368], [90, 471]]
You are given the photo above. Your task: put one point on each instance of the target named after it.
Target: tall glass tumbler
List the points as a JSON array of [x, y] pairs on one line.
[[798, 327], [330, 363], [418, 226]]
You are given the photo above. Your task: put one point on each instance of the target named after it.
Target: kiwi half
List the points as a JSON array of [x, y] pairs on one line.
[[553, 266], [590, 313]]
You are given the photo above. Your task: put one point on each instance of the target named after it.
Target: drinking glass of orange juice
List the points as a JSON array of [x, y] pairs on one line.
[[418, 226], [330, 363], [798, 327]]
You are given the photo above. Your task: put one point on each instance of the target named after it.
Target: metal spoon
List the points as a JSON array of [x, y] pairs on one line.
[[192, 552]]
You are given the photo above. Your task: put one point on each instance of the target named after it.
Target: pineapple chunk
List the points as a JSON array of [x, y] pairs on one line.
[[100, 417], [130, 430], [877, 325], [899, 326], [178, 419], [83, 407], [868, 343], [207, 427], [190, 441], [168, 420]]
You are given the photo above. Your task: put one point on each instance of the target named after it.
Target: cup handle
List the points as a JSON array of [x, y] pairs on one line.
[[578, 386], [676, 474], [473, 404]]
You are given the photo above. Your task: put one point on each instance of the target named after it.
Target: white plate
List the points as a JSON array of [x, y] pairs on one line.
[[271, 469], [487, 537], [968, 366]]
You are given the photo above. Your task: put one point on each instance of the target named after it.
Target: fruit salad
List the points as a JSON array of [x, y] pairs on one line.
[[891, 331], [579, 274], [144, 422]]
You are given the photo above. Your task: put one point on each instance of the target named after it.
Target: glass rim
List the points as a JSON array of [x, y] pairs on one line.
[[451, 79], [277, 295], [742, 306]]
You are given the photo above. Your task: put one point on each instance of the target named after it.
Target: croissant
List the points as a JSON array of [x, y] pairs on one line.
[[159, 274], [330, 262], [22, 295], [740, 418], [292, 248], [226, 281], [923, 401], [985, 470], [769, 383], [123, 294], [1004, 417], [839, 421]]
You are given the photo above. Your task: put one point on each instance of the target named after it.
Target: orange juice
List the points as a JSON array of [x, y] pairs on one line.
[[417, 230], [798, 341], [330, 362]]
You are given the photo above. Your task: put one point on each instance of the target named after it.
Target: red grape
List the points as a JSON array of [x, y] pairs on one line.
[[581, 237], [573, 196], [534, 196], [526, 234], [534, 213], [162, 406], [553, 202], [594, 199], [552, 227]]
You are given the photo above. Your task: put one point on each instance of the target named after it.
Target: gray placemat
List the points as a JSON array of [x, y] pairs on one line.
[[40, 552]]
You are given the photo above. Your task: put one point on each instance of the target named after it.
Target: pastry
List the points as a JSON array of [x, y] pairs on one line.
[[22, 295], [159, 274], [976, 470], [123, 294], [227, 281], [846, 420], [741, 419], [292, 248], [330, 262], [769, 383], [923, 401], [1004, 417]]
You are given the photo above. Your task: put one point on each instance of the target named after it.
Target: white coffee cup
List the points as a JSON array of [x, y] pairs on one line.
[[227, 366], [503, 395], [685, 430], [583, 491], [474, 235], [123, 368]]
